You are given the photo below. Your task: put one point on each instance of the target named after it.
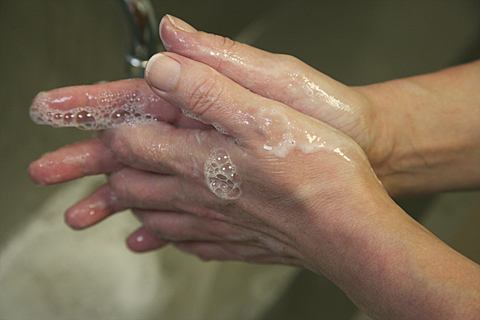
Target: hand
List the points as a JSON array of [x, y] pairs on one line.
[[315, 203], [420, 133], [294, 191], [305, 92], [287, 80], [275, 152]]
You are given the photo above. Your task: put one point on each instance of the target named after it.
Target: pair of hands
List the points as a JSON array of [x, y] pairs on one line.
[[251, 156], [277, 118]]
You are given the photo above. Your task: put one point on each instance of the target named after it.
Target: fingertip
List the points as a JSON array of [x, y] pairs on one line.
[[163, 30], [71, 219], [84, 158], [34, 174], [142, 240], [171, 26], [93, 209], [79, 217], [46, 170]]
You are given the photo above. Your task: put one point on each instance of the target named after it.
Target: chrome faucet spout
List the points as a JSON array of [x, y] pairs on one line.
[[143, 32]]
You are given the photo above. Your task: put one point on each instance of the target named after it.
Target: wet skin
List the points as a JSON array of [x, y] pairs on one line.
[[308, 194], [303, 93]]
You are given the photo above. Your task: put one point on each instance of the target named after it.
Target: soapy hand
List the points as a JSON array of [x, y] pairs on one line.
[[239, 188], [227, 164], [277, 77], [288, 80], [132, 102]]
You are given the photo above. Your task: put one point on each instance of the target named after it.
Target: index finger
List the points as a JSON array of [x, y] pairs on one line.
[[107, 105]]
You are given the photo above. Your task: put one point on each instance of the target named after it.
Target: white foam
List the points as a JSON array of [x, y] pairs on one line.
[[221, 175], [284, 134], [110, 109]]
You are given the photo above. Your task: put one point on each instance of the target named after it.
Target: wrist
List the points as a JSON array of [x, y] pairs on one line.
[[382, 151], [384, 258], [428, 138]]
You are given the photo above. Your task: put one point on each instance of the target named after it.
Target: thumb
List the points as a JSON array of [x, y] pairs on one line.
[[277, 77]]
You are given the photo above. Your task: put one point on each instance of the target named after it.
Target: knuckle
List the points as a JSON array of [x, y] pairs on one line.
[[167, 227], [119, 188], [205, 92], [289, 62], [125, 190], [229, 52], [124, 147], [141, 148], [226, 44], [157, 228]]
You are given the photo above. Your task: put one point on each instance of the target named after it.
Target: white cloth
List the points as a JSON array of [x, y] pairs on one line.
[[49, 271]]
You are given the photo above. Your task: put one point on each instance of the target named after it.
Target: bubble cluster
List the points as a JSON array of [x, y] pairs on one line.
[[221, 175], [107, 110]]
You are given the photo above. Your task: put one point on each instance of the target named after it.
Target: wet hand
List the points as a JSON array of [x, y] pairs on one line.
[[96, 107], [251, 184], [288, 80], [255, 177]]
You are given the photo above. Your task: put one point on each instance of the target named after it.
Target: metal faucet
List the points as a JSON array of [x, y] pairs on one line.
[[143, 32]]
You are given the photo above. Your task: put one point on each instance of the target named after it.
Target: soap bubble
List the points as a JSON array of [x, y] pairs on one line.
[[110, 109], [221, 175]]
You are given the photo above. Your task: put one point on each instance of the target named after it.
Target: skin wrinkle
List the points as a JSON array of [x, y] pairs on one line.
[[226, 64], [314, 191], [205, 92], [226, 53], [324, 97], [122, 103], [262, 241]]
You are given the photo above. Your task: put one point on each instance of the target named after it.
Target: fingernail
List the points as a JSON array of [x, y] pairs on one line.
[[180, 24], [162, 72]]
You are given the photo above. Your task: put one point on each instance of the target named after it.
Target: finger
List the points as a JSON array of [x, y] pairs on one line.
[[107, 105], [250, 67], [205, 93], [93, 209], [146, 190], [246, 65], [228, 251], [157, 148], [84, 158], [179, 226], [199, 158], [279, 77], [207, 251], [142, 241]]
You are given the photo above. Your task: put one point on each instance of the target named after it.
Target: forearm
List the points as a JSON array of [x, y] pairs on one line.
[[393, 268], [433, 123], [407, 273]]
